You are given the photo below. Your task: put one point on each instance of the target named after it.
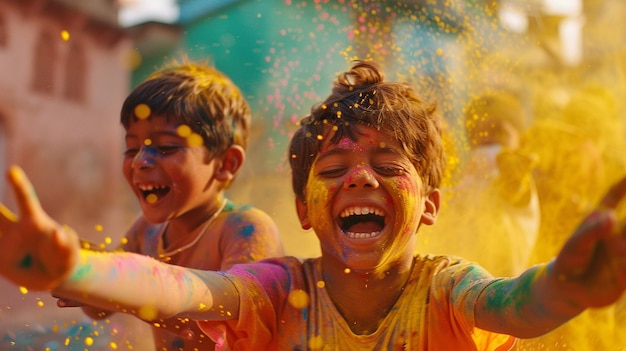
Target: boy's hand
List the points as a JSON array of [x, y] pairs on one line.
[[590, 270], [35, 251]]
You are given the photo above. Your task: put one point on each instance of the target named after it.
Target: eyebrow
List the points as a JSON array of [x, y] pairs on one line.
[[342, 151], [157, 134]]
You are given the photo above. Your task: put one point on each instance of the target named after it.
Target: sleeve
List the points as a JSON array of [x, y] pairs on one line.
[[455, 291], [252, 235], [263, 288]]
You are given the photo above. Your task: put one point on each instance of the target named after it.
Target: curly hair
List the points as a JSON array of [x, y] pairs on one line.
[[361, 97]]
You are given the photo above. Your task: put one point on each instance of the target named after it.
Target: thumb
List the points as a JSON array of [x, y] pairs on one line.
[[25, 194]]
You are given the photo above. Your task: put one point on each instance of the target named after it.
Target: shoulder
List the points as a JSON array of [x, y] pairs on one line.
[[248, 220], [443, 267], [270, 271]]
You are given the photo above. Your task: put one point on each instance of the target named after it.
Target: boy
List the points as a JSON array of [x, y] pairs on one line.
[[366, 166], [186, 134], [491, 214]]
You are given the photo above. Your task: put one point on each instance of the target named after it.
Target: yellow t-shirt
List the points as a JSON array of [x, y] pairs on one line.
[[434, 312]]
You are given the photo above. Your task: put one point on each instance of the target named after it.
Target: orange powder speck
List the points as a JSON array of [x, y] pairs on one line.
[[194, 140], [113, 345], [298, 299], [439, 51], [98, 227], [88, 341], [40, 303], [147, 142], [347, 271], [147, 312], [183, 130], [320, 284], [151, 198], [65, 35], [316, 343], [124, 241], [23, 290], [67, 341], [142, 111]]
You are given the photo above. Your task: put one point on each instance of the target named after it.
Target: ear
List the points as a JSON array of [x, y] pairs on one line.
[[232, 160], [431, 207], [303, 213]]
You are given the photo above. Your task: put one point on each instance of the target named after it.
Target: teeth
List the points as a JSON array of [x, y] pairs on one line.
[[362, 235], [150, 187], [360, 211]]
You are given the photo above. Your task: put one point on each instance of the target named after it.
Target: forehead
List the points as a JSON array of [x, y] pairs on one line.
[[152, 122], [364, 139]]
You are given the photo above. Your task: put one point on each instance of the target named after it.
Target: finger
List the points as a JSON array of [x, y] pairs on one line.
[[614, 196], [24, 192], [68, 303], [7, 217], [7, 214]]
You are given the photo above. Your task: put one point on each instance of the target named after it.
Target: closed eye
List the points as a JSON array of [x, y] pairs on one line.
[[131, 152], [390, 171], [168, 149], [333, 172]]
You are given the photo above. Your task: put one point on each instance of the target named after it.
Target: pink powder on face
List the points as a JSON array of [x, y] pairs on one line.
[[348, 143]]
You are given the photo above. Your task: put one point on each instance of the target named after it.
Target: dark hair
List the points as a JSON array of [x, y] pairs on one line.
[[360, 97], [198, 96]]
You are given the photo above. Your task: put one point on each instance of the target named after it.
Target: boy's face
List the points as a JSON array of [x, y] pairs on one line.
[[168, 169], [365, 201]]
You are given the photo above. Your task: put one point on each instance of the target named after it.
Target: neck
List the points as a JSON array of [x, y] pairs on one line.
[[180, 232], [349, 291]]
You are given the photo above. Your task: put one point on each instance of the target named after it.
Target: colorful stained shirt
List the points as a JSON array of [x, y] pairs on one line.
[[238, 235], [434, 312]]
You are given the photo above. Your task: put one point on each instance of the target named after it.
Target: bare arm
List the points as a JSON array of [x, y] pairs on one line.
[[148, 288], [39, 254], [590, 271]]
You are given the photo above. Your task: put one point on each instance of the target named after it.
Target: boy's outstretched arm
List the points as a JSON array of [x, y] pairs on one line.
[[39, 254], [589, 271], [36, 252]]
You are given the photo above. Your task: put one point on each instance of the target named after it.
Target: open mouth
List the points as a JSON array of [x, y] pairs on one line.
[[151, 193], [362, 222]]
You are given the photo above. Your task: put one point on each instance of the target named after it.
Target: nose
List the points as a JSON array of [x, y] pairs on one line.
[[361, 177], [145, 157]]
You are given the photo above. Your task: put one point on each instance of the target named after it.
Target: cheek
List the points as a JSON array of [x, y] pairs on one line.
[[127, 168], [407, 196], [319, 194]]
